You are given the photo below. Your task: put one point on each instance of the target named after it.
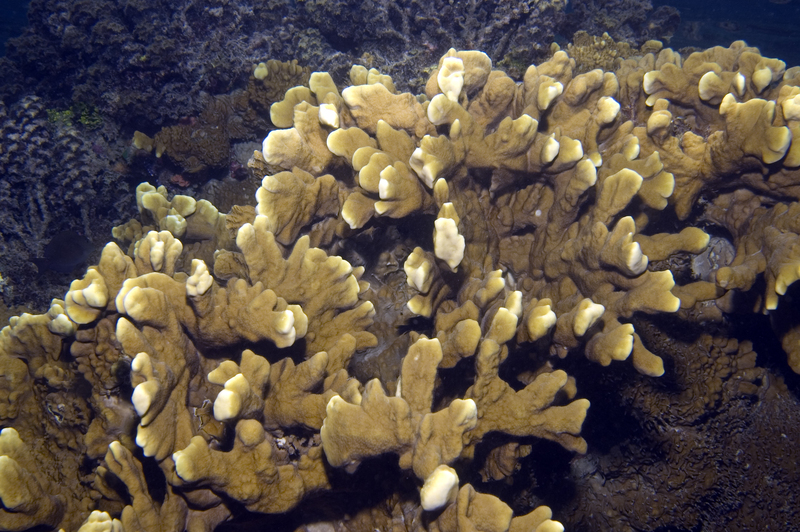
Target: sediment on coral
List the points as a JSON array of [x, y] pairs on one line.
[[408, 292]]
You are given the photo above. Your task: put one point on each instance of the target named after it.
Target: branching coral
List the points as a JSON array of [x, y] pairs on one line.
[[406, 287]]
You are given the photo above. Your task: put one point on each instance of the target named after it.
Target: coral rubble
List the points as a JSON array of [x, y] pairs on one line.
[[408, 293]]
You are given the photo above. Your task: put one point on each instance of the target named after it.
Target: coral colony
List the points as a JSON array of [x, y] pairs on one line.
[[413, 274]]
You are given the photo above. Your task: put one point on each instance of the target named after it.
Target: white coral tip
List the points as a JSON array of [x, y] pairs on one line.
[[439, 488]]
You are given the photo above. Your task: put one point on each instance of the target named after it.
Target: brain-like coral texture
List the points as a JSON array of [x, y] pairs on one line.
[[398, 320]]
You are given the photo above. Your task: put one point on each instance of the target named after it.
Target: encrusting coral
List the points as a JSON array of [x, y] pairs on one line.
[[204, 142], [405, 286]]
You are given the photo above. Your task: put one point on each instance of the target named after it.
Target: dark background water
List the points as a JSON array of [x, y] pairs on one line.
[[773, 28], [12, 20]]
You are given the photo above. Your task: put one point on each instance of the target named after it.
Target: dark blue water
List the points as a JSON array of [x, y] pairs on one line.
[[12, 20], [773, 28]]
